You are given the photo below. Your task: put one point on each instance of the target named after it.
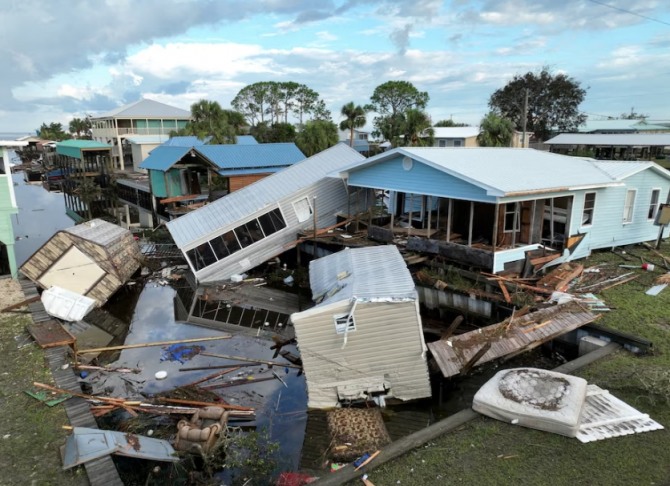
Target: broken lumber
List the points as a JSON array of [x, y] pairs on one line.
[[508, 299], [478, 355], [213, 375], [195, 403], [21, 304], [452, 327], [242, 358], [146, 345]]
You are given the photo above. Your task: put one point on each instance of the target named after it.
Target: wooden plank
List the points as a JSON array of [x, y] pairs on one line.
[[158, 343]]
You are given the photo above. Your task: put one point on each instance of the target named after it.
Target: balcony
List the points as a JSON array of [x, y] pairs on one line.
[[123, 132]]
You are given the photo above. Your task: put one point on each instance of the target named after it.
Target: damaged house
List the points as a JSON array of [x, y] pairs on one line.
[[261, 221], [364, 337], [490, 207], [93, 259]]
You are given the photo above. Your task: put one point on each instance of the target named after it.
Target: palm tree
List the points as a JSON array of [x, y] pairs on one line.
[[208, 119], [417, 129], [354, 118], [495, 131], [88, 191], [80, 127]]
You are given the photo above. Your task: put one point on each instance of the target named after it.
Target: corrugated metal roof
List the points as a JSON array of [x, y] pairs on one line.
[[614, 125], [612, 139], [375, 272], [83, 144], [455, 132], [246, 140], [98, 231], [231, 156], [621, 169], [163, 157], [504, 171], [186, 141], [147, 139], [145, 108], [267, 191], [255, 170]]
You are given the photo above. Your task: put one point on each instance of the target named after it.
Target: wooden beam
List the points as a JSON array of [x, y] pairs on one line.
[[472, 218], [243, 358], [21, 304], [452, 327], [146, 345], [478, 355], [194, 403]]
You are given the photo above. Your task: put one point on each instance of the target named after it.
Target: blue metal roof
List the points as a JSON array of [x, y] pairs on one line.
[[163, 157], [259, 156], [189, 141], [255, 170], [246, 140]]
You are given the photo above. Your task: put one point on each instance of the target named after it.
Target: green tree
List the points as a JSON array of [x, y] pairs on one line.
[[80, 128], [391, 100], [495, 131], [275, 133], [553, 102], [53, 131], [416, 129], [354, 117], [316, 136], [304, 102], [208, 119], [450, 123], [88, 191]]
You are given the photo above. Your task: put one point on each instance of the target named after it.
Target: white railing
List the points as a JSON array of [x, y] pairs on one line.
[[111, 132]]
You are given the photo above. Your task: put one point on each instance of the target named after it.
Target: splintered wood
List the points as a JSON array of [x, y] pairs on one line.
[[508, 338]]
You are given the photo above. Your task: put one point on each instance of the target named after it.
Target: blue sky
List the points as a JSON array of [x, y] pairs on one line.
[[69, 58]]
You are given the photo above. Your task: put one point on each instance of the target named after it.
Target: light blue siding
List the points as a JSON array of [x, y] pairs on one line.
[[420, 179], [608, 228]]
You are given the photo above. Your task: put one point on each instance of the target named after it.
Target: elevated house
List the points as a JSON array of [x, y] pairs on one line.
[[8, 207], [360, 140], [143, 117], [93, 259], [363, 339], [621, 126], [467, 137], [623, 146], [489, 207], [192, 175], [260, 221]]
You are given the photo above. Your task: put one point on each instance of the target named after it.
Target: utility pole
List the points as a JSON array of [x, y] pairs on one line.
[[524, 120]]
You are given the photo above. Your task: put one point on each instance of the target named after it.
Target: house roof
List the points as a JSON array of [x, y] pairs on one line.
[[620, 170], [262, 155], [268, 191], [74, 148], [163, 157], [246, 140], [186, 141], [612, 139], [369, 273], [504, 172], [617, 125], [455, 132], [145, 108], [147, 139], [97, 231]]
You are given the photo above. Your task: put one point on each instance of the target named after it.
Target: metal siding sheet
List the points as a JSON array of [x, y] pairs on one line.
[[208, 221], [252, 155], [163, 157]]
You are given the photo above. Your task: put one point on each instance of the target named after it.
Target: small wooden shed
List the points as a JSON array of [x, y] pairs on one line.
[[364, 337], [93, 259]]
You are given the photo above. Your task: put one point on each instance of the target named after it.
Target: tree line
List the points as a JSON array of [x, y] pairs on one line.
[[538, 102]]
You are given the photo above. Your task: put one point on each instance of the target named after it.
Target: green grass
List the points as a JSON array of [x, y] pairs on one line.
[[30, 432], [489, 452]]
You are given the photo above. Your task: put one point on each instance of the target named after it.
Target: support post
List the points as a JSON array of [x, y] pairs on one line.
[[472, 217]]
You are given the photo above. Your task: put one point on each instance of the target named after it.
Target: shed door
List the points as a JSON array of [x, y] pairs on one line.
[[74, 271]]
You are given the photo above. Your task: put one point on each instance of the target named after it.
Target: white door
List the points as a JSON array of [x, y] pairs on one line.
[[75, 271]]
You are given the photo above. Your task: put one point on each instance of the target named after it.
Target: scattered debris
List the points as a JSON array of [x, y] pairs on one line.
[[65, 304], [201, 433]]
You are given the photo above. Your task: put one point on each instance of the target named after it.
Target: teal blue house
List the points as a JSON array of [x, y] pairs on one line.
[[8, 208], [490, 207]]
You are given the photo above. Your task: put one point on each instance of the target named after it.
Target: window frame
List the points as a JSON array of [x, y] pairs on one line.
[[591, 211], [652, 212], [298, 214], [629, 209], [516, 218], [344, 323]]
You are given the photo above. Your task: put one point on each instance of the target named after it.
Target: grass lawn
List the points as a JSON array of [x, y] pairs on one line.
[[30, 432], [489, 452]]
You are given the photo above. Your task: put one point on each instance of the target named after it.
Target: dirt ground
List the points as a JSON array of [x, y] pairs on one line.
[[31, 433]]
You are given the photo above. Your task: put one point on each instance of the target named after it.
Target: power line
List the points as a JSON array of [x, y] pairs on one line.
[[630, 12]]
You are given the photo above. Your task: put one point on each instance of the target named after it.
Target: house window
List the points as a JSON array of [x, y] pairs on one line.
[[629, 206], [654, 203], [589, 206], [512, 219], [344, 323], [201, 256], [458, 143], [272, 222], [303, 210], [441, 143]]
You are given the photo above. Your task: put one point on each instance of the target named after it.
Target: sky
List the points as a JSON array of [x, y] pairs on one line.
[[69, 58]]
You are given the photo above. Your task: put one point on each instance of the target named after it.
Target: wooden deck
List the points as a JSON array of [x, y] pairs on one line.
[[508, 339], [101, 471]]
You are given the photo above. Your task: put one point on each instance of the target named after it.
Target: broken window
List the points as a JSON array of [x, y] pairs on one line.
[[629, 206], [243, 236], [303, 210], [344, 323], [654, 203], [201, 256], [272, 222], [589, 205], [512, 219]]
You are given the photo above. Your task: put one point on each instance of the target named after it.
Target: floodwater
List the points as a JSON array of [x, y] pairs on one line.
[[41, 214]]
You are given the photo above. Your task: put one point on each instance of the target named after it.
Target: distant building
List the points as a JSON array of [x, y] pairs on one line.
[[360, 142], [143, 117], [467, 137], [8, 207], [621, 126]]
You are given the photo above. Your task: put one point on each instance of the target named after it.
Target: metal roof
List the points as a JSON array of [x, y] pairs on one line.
[[163, 157], [620, 170], [254, 170], [269, 190], [98, 231], [75, 148], [186, 141], [147, 139], [233, 156], [246, 140], [145, 108], [617, 125], [455, 132], [612, 139], [504, 171], [369, 273]]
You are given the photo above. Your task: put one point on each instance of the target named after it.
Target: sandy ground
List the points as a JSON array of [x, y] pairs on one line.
[[10, 292]]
